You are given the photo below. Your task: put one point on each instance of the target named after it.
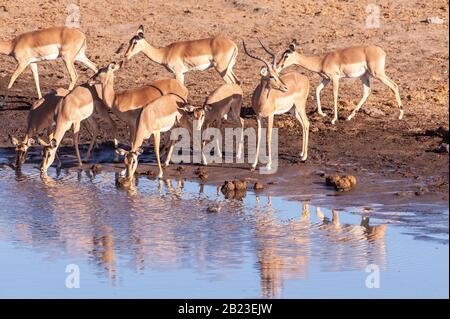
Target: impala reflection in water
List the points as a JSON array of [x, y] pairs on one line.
[[157, 239]]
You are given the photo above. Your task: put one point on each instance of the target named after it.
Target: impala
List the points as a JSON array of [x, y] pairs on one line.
[[223, 103], [278, 94], [161, 115], [184, 56], [77, 106], [40, 118], [361, 62], [48, 44], [128, 104]]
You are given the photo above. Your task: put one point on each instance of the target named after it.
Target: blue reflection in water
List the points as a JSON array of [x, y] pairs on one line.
[[158, 240]]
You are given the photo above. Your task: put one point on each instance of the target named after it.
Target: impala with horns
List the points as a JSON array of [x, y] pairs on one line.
[[75, 107], [41, 117], [184, 56], [223, 103], [127, 105], [361, 62], [279, 94], [48, 44], [161, 115]]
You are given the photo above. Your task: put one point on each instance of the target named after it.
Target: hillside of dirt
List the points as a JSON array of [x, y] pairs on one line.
[[374, 143]]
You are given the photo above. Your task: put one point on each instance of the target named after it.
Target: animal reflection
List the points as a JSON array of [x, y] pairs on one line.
[[285, 250], [170, 229]]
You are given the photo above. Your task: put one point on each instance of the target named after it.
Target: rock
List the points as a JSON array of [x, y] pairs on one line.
[[235, 194], [180, 168], [421, 191], [123, 182], [262, 10], [203, 176], [374, 112], [403, 194], [96, 168], [199, 171], [258, 186], [434, 20], [443, 148], [236, 189], [227, 186], [213, 208], [331, 180], [240, 184], [341, 183]]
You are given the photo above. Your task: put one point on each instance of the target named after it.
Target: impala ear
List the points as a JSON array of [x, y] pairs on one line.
[[14, 141], [140, 31], [185, 107], [293, 45], [121, 151], [31, 141], [264, 71]]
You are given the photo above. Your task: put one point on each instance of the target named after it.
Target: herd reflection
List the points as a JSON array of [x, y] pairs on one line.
[[164, 225]]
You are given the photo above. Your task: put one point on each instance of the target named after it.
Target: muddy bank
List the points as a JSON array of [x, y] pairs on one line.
[[386, 155]]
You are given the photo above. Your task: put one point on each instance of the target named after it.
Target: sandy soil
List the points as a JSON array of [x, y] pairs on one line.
[[375, 146]]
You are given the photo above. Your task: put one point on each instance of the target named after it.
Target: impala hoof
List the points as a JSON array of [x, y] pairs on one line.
[[401, 115], [322, 114], [350, 117], [333, 121]]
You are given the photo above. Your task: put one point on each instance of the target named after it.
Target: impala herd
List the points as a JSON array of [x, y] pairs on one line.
[[162, 105]]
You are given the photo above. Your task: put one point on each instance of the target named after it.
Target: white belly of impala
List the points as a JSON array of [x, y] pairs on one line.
[[284, 105], [46, 53], [201, 67], [354, 70]]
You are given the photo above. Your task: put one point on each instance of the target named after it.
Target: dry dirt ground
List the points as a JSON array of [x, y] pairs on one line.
[[375, 145]]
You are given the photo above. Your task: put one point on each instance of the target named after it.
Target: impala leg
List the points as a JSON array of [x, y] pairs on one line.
[[34, 70], [394, 87], [81, 57], [239, 153], [300, 114], [269, 140], [204, 161], [335, 99], [318, 90], [365, 79], [103, 112], [169, 153], [180, 77], [72, 72], [157, 138], [219, 142], [76, 136], [20, 68], [258, 142], [94, 128]]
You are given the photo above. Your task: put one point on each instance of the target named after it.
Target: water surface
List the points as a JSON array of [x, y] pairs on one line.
[[158, 240]]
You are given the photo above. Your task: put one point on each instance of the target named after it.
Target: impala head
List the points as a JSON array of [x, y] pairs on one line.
[[21, 149], [195, 113], [269, 74], [105, 75], [130, 161], [48, 154], [136, 43], [288, 56]]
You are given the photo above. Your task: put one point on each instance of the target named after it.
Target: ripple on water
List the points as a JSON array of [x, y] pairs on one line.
[[164, 226]]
